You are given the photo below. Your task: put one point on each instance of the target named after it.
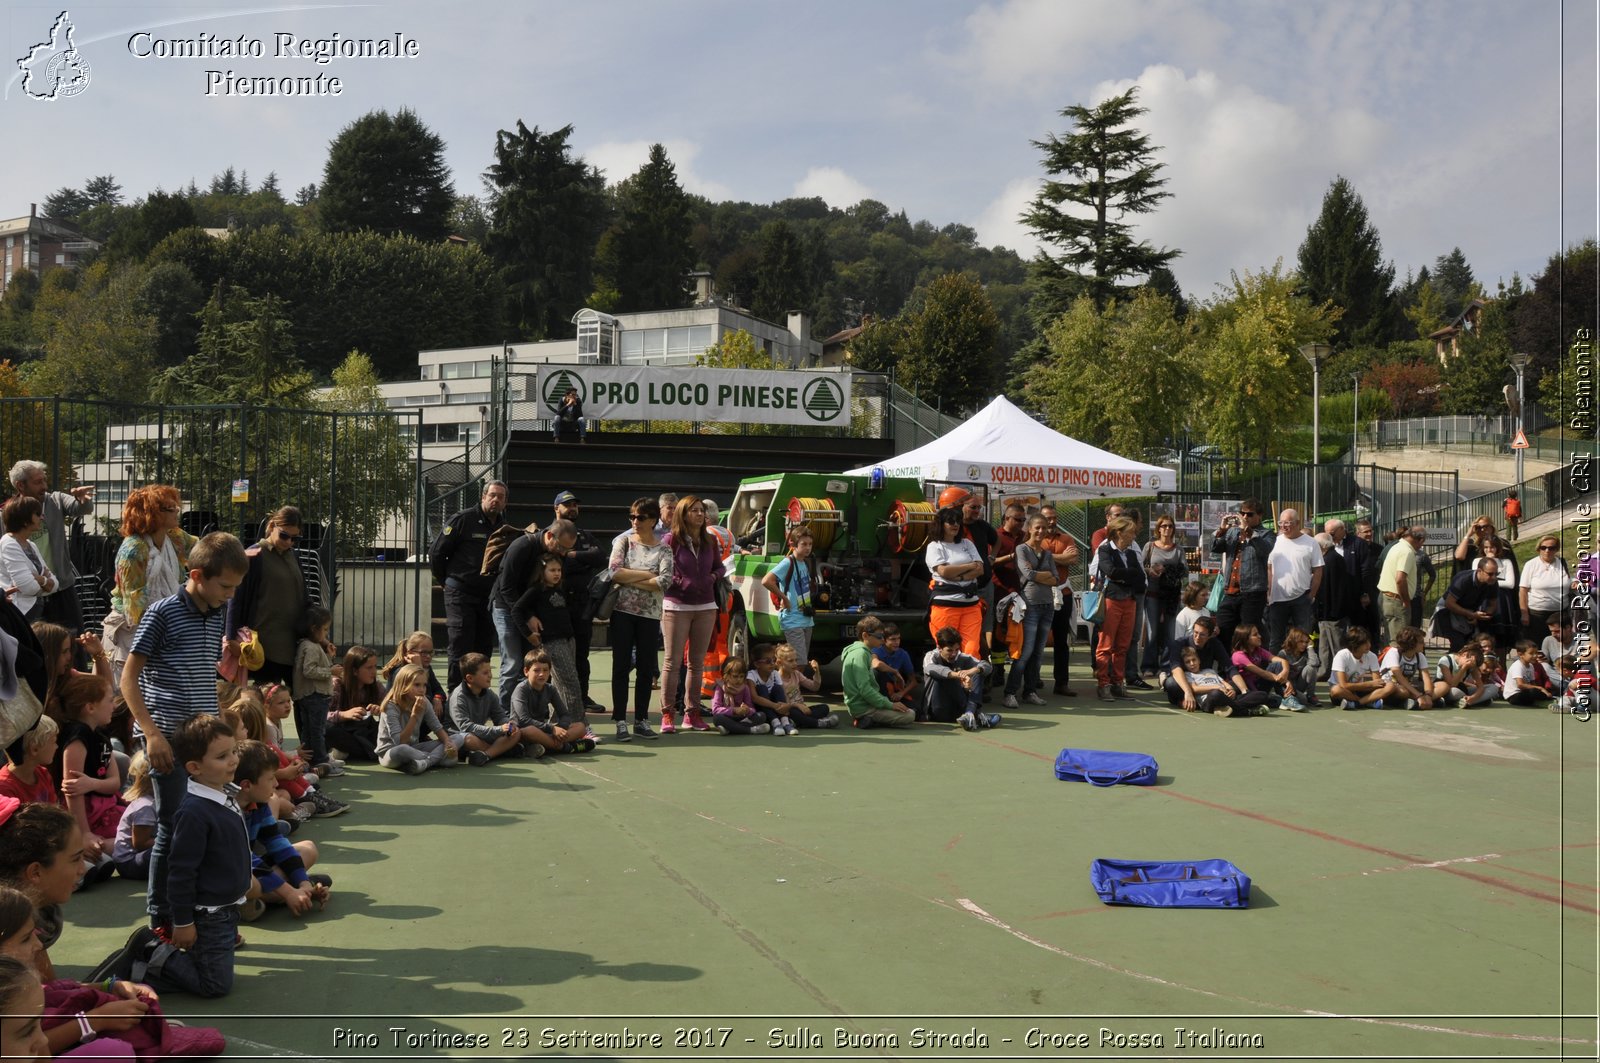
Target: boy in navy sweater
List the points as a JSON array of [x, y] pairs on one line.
[[208, 867], [280, 867]]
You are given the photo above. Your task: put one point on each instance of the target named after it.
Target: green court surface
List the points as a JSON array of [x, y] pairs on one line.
[[1425, 887]]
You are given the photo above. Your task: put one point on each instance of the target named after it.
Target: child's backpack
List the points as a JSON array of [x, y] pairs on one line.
[[1170, 884], [499, 541]]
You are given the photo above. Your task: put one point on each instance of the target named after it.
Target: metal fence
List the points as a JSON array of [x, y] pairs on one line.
[[1539, 494], [356, 477]]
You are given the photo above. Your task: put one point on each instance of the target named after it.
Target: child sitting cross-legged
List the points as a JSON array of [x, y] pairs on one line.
[[476, 711], [796, 685], [1579, 695], [892, 667], [1404, 666], [1458, 678], [1528, 681], [136, 831], [405, 719], [867, 705], [766, 685], [542, 717], [954, 693], [1355, 680], [279, 866], [733, 706]]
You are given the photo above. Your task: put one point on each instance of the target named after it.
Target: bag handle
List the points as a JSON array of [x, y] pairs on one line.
[[1110, 779]]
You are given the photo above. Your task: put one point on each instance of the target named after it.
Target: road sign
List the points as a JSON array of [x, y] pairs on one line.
[[1520, 440]]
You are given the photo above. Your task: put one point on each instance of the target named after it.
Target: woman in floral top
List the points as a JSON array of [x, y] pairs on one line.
[[641, 566], [152, 563]]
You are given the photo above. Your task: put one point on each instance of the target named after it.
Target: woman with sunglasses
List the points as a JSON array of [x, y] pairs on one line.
[[1505, 628], [1546, 589], [274, 596], [641, 567], [1471, 544], [957, 567]]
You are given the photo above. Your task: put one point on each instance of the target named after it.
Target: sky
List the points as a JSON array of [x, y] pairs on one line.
[[1469, 124]]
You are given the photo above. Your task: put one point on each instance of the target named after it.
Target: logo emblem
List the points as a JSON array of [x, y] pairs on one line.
[[823, 400], [54, 69], [972, 472], [1155, 483], [555, 388]]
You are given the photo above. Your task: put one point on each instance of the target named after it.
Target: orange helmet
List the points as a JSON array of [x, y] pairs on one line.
[[953, 497]]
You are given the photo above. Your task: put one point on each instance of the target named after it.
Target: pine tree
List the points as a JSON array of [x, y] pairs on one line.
[[1341, 261], [547, 209], [651, 254], [386, 173], [1452, 276], [1103, 177]]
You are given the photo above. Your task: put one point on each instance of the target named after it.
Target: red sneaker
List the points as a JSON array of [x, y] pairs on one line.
[[694, 720], [667, 726]]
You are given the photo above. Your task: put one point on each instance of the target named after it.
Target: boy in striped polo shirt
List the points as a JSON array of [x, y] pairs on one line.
[[171, 675]]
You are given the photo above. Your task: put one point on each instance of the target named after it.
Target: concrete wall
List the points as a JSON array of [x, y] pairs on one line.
[[1475, 465]]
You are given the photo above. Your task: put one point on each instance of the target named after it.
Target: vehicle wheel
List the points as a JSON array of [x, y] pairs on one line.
[[739, 636]]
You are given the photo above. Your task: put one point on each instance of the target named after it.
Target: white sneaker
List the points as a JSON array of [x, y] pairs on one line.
[[1032, 698], [761, 729], [1011, 701]]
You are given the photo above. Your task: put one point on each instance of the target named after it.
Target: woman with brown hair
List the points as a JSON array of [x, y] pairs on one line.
[[23, 572], [1122, 574], [689, 611], [274, 596], [152, 564]]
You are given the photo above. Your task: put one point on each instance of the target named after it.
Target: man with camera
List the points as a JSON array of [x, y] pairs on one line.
[[1245, 547]]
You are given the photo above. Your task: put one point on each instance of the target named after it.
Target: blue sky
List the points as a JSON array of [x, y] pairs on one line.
[[1463, 123]]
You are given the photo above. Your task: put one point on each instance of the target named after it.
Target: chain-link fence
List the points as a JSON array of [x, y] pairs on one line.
[[356, 477]]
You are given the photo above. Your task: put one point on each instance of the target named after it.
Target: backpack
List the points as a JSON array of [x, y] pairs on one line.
[[499, 541]]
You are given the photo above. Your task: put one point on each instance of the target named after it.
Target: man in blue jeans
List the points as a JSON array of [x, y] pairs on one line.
[[1294, 575]]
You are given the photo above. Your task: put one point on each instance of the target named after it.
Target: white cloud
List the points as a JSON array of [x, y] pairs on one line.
[[1030, 45], [1000, 223], [621, 159], [833, 185]]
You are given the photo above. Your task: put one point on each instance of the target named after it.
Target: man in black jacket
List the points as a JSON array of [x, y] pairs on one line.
[[585, 559], [520, 568], [456, 558]]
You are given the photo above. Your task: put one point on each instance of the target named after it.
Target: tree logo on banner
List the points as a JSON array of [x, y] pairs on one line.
[[555, 388], [823, 400]]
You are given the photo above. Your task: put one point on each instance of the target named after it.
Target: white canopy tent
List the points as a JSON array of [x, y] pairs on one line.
[[1011, 452]]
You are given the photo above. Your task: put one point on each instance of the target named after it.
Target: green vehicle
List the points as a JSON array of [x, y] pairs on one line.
[[867, 543]]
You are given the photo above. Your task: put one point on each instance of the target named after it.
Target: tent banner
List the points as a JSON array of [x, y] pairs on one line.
[[1114, 481], [653, 393]]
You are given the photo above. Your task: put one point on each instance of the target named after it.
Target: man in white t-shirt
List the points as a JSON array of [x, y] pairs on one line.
[[1294, 573]]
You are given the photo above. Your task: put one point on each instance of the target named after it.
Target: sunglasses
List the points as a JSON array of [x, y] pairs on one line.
[[286, 537], [637, 516], [1552, 546]]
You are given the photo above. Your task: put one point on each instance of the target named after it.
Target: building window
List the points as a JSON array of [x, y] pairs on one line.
[[464, 370]]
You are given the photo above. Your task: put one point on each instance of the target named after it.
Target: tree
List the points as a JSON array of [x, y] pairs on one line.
[[547, 211], [1103, 168], [65, 204], [1568, 395], [1413, 387], [172, 299], [226, 183], [949, 345], [1341, 261], [1253, 377], [469, 220], [1475, 378], [159, 216], [738, 350], [646, 253], [102, 191], [1122, 378], [1563, 305], [367, 438], [270, 186], [97, 342], [306, 195], [780, 275], [246, 355], [386, 173], [1453, 278]]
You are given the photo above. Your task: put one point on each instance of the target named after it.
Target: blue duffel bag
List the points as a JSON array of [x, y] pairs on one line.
[[1105, 767], [1171, 884]]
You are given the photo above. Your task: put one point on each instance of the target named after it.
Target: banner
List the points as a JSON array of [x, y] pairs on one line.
[[655, 393]]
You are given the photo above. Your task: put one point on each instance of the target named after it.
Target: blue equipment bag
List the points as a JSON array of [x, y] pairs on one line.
[[1104, 767], [1171, 884]]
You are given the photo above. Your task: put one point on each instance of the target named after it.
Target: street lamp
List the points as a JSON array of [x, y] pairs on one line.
[[1355, 420], [1519, 364], [1316, 354]]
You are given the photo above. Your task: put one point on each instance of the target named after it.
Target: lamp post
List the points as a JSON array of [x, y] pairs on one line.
[[1519, 364], [1355, 420], [1315, 353]]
